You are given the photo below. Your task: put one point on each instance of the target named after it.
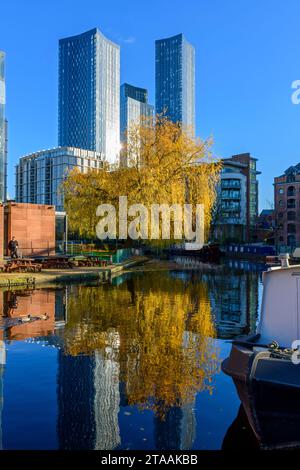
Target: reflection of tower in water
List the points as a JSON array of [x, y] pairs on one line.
[[107, 395], [75, 390], [2, 364], [88, 399], [177, 430], [234, 299]]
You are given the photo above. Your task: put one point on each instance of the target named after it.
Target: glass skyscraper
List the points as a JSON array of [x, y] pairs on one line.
[[134, 105], [3, 130], [175, 80], [89, 94]]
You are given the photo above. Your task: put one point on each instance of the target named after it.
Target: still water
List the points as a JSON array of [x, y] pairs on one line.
[[132, 364]]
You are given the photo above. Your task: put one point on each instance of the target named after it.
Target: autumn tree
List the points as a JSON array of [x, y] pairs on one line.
[[160, 164]]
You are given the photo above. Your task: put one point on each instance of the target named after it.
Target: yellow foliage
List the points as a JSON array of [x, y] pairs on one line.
[[163, 165], [166, 351]]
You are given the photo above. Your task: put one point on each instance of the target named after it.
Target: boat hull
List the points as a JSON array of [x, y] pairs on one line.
[[269, 389]]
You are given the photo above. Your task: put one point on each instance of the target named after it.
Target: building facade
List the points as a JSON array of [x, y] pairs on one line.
[[134, 106], [3, 131], [287, 207], [89, 94], [5, 159], [236, 208], [39, 176], [230, 215], [175, 80]]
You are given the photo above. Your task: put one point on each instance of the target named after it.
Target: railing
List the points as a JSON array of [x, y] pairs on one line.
[[230, 183], [83, 249], [231, 208], [227, 195]]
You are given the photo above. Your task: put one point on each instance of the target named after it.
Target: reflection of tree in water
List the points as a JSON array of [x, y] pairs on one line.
[[166, 353]]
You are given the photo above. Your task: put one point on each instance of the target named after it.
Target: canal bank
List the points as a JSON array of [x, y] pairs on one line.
[[76, 274]]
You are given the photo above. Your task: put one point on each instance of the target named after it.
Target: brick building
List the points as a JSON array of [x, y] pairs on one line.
[[287, 207], [33, 225], [1, 231]]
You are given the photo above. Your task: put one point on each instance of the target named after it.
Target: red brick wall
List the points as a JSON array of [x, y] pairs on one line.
[[283, 210], [33, 225], [1, 231]]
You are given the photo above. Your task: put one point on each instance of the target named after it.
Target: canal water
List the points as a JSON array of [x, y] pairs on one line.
[[131, 364]]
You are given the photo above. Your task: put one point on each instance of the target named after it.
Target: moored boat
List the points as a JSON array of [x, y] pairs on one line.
[[209, 252], [264, 366]]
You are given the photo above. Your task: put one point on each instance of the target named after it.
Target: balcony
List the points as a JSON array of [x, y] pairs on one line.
[[227, 194], [230, 183], [231, 207]]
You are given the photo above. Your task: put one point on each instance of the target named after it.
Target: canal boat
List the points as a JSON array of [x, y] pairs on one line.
[[265, 366], [210, 252]]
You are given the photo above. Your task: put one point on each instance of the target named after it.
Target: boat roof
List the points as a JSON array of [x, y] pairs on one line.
[[280, 309]]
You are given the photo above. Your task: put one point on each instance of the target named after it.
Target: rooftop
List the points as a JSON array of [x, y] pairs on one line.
[[63, 151]]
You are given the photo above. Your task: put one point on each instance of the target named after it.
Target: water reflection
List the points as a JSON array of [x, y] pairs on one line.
[[154, 334], [2, 364], [144, 344], [31, 313]]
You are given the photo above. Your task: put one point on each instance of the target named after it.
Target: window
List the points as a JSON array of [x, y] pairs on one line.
[[291, 240], [281, 191], [280, 203], [280, 215], [291, 228], [291, 191], [291, 215], [291, 203]]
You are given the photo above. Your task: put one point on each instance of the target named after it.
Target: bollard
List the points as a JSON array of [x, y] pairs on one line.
[[284, 259]]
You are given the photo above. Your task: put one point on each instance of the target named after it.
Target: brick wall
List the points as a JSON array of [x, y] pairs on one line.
[[1, 231], [33, 225], [287, 210]]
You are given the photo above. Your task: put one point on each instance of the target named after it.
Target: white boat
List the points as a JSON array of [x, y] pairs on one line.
[[265, 366]]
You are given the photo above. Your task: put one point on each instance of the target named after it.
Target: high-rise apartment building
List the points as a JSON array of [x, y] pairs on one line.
[[3, 130], [89, 94], [40, 175], [175, 80], [236, 211], [134, 106]]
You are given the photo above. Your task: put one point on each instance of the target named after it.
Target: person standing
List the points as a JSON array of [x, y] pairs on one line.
[[13, 247]]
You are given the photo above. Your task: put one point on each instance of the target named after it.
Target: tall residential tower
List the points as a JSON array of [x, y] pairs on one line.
[[134, 106], [3, 130], [175, 80], [89, 94]]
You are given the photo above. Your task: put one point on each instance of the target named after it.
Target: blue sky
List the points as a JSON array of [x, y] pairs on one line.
[[246, 59]]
